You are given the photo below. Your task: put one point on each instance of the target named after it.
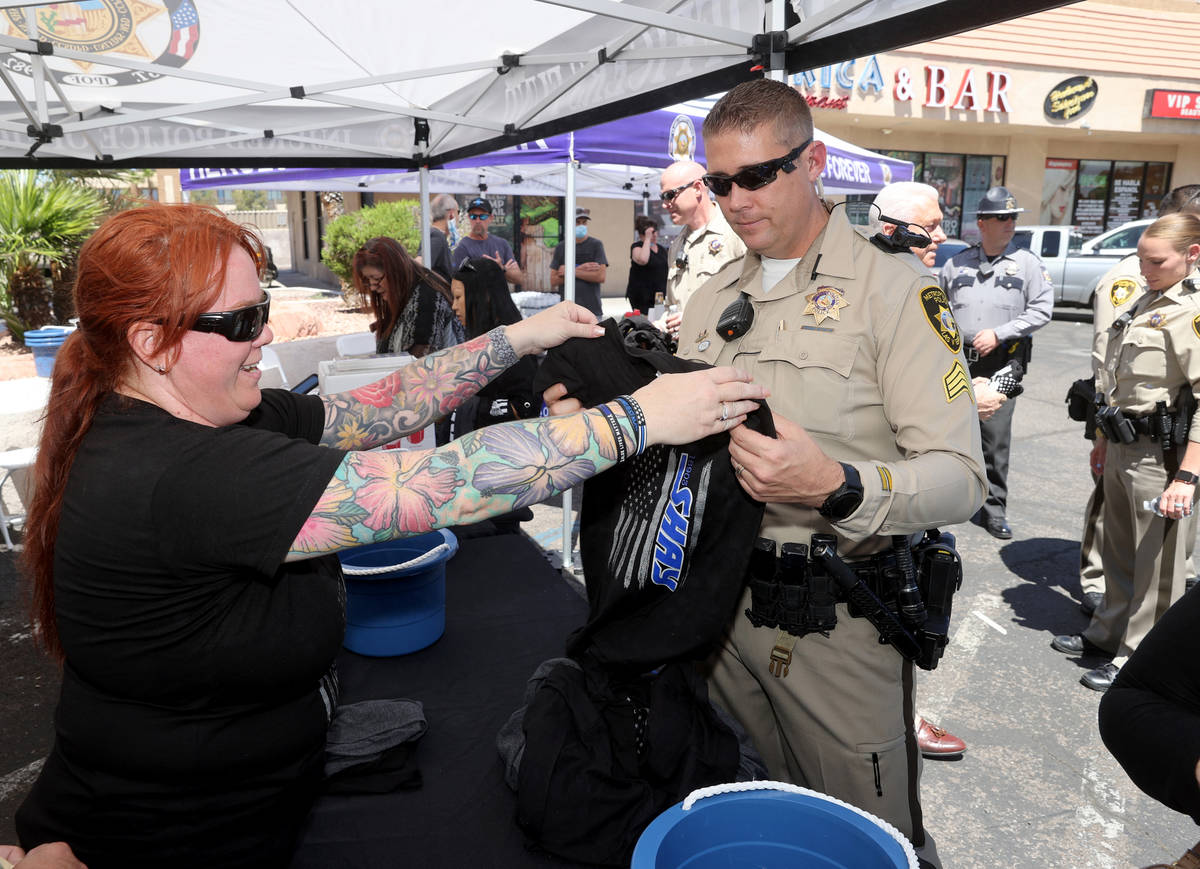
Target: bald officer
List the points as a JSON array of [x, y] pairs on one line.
[[1000, 295], [1115, 294], [706, 243], [877, 436]]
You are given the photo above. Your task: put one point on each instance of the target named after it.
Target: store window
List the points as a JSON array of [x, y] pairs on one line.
[[1099, 195]]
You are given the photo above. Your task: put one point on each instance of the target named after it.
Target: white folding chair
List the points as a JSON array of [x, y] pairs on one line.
[[356, 344], [272, 370], [14, 467]]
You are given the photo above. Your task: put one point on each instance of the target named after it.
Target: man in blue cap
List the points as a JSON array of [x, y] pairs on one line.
[[480, 242], [1000, 294]]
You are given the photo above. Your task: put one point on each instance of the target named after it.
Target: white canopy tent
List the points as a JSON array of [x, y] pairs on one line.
[[375, 83], [227, 83]]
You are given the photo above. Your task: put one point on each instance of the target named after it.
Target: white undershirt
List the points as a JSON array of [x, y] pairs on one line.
[[775, 270]]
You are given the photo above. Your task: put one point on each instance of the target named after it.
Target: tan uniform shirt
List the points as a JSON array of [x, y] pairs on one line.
[[860, 348], [1115, 294], [1156, 354], [708, 250]]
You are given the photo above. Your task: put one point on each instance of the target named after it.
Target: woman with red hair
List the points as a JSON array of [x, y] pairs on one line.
[[182, 534]]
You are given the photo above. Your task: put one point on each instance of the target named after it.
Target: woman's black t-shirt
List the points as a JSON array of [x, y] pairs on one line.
[[645, 281], [198, 680]]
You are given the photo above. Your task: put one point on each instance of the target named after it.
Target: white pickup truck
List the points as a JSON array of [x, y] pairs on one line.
[[1076, 265]]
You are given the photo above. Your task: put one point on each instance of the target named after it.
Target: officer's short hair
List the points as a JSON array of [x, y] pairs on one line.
[[442, 205], [752, 104], [1185, 198], [899, 200]]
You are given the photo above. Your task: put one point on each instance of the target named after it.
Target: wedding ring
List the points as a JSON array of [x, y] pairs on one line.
[[724, 412]]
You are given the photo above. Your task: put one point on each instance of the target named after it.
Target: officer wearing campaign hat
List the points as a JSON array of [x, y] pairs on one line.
[[998, 201], [1000, 294]]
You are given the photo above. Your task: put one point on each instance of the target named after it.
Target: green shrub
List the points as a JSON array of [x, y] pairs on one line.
[[345, 234]]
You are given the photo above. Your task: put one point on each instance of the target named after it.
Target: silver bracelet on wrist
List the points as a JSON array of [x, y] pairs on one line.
[[502, 350]]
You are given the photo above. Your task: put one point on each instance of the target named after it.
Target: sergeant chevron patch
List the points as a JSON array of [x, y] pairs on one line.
[[956, 381]]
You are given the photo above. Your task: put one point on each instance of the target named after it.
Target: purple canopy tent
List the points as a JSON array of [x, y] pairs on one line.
[[621, 156]]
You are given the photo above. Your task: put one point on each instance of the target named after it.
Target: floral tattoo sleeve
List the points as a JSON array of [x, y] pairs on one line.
[[383, 495], [411, 398]]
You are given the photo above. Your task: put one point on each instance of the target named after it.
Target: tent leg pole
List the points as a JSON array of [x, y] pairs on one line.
[[568, 557], [425, 216]]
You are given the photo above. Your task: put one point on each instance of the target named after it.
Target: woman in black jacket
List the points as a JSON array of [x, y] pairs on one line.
[[482, 301]]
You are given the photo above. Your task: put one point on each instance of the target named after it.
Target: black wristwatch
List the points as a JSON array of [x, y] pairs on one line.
[[1186, 477], [845, 499]]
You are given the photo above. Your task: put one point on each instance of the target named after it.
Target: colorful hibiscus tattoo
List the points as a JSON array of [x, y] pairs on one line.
[[382, 495], [411, 398]]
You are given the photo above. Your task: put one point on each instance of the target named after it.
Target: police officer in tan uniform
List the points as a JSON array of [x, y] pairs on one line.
[[877, 436], [1151, 376], [705, 244], [1115, 293]]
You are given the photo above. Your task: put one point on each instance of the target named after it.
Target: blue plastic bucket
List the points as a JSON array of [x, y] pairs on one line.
[[44, 343], [774, 826], [400, 606]]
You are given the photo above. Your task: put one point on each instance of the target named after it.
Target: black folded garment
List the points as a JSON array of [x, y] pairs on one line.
[[664, 537]]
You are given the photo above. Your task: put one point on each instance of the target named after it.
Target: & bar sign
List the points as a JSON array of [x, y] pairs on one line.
[[1173, 104], [1071, 98]]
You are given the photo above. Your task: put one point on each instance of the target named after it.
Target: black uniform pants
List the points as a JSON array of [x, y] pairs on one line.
[[996, 435]]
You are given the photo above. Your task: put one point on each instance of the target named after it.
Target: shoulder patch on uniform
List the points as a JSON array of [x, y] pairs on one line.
[[885, 477], [1122, 291], [1196, 326], [956, 382], [937, 312]]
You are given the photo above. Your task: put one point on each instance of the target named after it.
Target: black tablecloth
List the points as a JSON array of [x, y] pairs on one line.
[[506, 611]]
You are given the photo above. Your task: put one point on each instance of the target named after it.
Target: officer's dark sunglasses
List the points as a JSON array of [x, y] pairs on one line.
[[668, 196], [243, 324], [1003, 218], [756, 176]]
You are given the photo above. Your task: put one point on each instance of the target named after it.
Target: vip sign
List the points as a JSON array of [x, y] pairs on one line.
[[986, 90]]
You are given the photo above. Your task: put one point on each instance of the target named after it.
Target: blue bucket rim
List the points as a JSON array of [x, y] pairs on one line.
[[346, 556], [50, 331], [651, 839]]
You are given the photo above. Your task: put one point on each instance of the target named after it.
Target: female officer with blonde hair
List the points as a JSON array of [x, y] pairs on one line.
[[1151, 376]]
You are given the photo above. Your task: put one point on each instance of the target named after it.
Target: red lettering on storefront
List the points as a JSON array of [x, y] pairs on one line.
[[997, 92], [966, 97], [935, 86], [828, 102]]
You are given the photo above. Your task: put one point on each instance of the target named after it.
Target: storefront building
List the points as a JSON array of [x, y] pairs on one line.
[[1088, 113]]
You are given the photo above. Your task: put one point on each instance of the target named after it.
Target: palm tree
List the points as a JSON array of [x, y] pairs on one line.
[[42, 222]]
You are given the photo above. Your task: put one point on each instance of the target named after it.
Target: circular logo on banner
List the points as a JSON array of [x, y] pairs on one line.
[[681, 140], [1071, 98], [164, 32]]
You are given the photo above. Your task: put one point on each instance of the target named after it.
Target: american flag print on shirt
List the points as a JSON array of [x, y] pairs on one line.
[[650, 486]]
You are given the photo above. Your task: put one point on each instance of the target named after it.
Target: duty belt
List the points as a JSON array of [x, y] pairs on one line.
[[905, 593], [795, 593]]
